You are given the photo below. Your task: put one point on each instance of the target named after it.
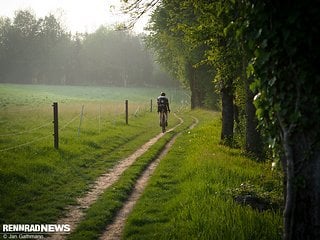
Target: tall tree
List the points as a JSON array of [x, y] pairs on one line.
[[5, 29], [41, 51], [221, 53], [22, 47], [284, 38], [115, 57], [175, 52], [279, 40], [53, 51]]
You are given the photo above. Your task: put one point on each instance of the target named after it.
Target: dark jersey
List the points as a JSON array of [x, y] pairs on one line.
[[163, 103]]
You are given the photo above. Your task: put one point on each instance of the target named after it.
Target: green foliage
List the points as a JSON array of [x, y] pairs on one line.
[[283, 63], [178, 52], [283, 39], [203, 44]]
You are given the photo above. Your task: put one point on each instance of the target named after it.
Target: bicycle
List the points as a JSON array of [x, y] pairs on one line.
[[163, 120]]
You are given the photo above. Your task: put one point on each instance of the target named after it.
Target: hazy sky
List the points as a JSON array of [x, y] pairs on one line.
[[81, 16]]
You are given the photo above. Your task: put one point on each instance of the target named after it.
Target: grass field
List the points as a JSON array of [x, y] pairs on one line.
[[26, 111], [36, 180], [190, 196], [33, 95]]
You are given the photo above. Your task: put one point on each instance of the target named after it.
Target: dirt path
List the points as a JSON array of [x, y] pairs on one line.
[[75, 213], [114, 230]]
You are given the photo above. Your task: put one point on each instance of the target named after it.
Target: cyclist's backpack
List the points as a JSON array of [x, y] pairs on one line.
[[162, 103]]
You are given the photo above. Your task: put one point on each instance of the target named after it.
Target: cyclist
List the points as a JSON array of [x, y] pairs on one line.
[[163, 105]]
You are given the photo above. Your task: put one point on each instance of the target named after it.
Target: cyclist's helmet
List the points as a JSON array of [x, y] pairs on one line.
[[162, 94]]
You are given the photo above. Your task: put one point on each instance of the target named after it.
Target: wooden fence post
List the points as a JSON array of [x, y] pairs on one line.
[[55, 125], [127, 112], [81, 116], [100, 119], [151, 105]]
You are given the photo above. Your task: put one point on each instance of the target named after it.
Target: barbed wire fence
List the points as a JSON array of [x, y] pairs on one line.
[[138, 110]]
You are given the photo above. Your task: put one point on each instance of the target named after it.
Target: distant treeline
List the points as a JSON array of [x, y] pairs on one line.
[[42, 51]]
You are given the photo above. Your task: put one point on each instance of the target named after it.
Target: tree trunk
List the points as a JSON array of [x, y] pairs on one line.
[[302, 208], [227, 115], [195, 92], [253, 143], [253, 137]]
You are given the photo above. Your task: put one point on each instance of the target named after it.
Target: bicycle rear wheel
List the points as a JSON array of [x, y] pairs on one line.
[[163, 122]]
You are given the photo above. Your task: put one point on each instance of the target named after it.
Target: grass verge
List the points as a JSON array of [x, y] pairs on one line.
[[105, 208], [38, 182], [191, 194]]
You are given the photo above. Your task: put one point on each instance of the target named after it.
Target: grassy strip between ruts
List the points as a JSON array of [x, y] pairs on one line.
[[191, 194], [104, 209], [37, 182]]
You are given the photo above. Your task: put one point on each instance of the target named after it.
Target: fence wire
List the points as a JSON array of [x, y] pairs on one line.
[[27, 131], [97, 117], [25, 144], [68, 123]]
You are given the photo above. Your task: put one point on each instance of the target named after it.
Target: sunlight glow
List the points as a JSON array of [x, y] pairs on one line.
[[77, 16]]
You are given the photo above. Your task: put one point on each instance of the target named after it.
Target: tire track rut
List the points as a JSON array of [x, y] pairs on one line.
[[115, 229], [75, 213]]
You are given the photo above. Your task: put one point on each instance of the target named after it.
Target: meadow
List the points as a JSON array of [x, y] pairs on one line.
[[26, 111], [192, 194], [36, 180]]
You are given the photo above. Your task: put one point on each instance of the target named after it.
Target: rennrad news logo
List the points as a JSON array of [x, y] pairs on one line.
[[36, 228], [32, 231]]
